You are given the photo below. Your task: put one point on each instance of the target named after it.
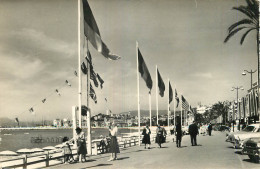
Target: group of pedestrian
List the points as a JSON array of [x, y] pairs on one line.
[[80, 141]]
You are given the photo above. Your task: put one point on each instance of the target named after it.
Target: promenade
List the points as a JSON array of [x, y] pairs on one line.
[[212, 152]]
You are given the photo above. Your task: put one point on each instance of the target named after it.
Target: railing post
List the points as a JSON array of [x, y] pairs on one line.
[[134, 142], [47, 159], [125, 144], [25, 162], [95, 151], [130, 142], [64, 158]]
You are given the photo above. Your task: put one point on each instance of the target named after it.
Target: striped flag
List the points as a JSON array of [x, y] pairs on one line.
[[83, 68], [185, 104], [170, 93], [177, 98], [91, 31], [93, 76], [145, 74], [101, 81], [160, 84], [93, 94]]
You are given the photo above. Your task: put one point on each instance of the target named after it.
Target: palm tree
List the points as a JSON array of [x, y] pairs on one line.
[[250, 23]]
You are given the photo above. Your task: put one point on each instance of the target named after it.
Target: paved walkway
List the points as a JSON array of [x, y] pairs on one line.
[[212, 152]]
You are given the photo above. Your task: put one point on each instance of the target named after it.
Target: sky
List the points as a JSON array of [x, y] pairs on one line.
[[185, 39]]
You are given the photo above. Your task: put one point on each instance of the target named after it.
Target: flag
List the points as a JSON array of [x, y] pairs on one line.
[[190, 109], [31, 110], [67, 82], [16, 120], [170, 93], [177, 98], [44, 100], [106, 99], [75, 73], [93, 94], [57, 91], [93, 76], [144, 71], [101, 81], [185, 104], [91, 31], [89, 58], [160, 84], [84, 68]]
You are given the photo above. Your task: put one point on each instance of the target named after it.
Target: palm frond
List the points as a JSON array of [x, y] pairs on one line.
[[233, 33], [253, 5], [245, 34], [246, 11], [244, 21]]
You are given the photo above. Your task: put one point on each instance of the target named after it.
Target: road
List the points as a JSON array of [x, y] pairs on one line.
[[212, 152]]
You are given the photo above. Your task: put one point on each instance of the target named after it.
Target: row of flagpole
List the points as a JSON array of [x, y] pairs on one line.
[[143, 70]]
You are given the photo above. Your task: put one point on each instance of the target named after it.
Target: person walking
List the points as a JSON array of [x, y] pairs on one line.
[[146, 139], [160, 135], [114, 147], [193, 130], [210, 128], [178, 135]]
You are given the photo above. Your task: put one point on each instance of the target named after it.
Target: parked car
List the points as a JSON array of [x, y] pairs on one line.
[[250, 128], [224, 128], [240, 138], [252, 149]]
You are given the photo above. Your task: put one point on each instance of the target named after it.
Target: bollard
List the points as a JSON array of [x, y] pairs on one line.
[[47, 159], [125, 144], [25, 162]]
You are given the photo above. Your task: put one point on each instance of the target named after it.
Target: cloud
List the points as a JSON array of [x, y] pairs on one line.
[[20, 66], [207, 75], [45, 42]]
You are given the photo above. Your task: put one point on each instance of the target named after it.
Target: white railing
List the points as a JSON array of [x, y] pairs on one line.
[[57, 156]]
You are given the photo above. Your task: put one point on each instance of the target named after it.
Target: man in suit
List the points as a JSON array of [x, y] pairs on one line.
[[210, 128], [193, 130], [178, 135]]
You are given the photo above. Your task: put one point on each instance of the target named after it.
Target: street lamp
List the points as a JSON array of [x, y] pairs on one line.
[[237, 88], [251, 73]]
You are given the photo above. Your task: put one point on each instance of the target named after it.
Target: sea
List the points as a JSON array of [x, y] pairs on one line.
[[14, 140]]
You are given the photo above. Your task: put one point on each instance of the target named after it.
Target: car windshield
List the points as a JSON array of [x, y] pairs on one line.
[[249, 128]]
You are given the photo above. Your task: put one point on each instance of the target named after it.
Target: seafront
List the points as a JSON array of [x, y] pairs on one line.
[[203, 156]]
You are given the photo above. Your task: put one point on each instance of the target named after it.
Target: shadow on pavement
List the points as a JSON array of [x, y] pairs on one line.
[[183, 146], [248, 160], [238, 152], [122, 158], [164, 147], [230, 147], [139, 150], [99, 165]]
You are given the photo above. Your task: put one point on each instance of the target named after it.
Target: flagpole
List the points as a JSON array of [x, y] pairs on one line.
[[138, 99], [156, 87], [174, 106], [89, 110], [181, 109], [150, 107], [168, 105], [79, 71]]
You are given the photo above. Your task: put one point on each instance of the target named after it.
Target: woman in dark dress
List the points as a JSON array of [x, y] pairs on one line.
[[160, 135], [146, 138]]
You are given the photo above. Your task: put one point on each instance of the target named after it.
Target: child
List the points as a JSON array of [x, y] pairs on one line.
[[68, 157]]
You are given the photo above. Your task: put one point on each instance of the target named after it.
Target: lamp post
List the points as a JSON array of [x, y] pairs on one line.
[[237, 88], [251, 73]]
